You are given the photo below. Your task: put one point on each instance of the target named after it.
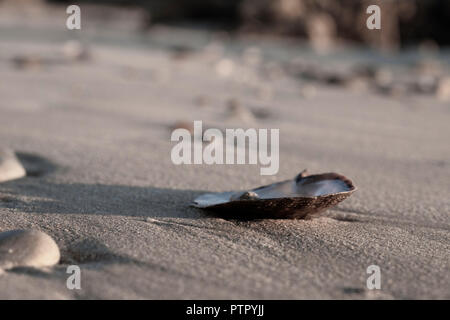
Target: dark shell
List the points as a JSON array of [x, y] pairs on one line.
[[291, 199]]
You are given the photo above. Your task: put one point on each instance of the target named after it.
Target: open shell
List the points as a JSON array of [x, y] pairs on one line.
[[292, 199]]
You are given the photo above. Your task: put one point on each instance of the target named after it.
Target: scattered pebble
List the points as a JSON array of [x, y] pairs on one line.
[[76, 51], [367, 71], [429, 67], [395, 89], [225, 68], [27, 248], [181, 124], [27, 62], [261, 113], [71, 51], [10, 166], [358, 84], [321, 30], [324, 76], [426, 84], [443, 90], [383, 77], [189, 126], [180, 52]]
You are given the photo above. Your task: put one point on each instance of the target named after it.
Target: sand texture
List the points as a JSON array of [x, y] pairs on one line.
[[94, 137]]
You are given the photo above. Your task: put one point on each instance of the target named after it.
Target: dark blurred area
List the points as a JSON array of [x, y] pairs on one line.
[[404, 22]]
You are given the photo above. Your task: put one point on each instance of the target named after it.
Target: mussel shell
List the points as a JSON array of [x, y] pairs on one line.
[[291, 199]]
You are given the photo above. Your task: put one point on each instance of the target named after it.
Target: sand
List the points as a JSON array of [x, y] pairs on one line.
[[94, 136]]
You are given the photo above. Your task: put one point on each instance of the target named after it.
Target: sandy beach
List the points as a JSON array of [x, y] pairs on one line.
[[94, 137]]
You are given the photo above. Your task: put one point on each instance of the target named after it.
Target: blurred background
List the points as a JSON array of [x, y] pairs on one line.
[[319, 41], [404, 22]]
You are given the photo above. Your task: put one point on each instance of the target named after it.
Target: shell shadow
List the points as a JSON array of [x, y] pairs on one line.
[[41, 196]]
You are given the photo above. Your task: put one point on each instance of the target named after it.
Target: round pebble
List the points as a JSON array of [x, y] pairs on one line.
[[27, 248], [224, 68], [443, 90], [10, 166], [75, 50]]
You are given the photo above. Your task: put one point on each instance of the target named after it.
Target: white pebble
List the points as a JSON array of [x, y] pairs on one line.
[[224, 68], [443, 91], [27, 248], [10, 166]]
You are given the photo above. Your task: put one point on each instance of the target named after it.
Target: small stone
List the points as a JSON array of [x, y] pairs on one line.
[[225, 68], [357, 84], [181, 124], [397, 89], [180, 52], [261, 113], [321, 30], [426, 84], [443, 90], [76, 51], [10, 166], [384, 77], [27, 62], [429, 67], [27, 248]]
